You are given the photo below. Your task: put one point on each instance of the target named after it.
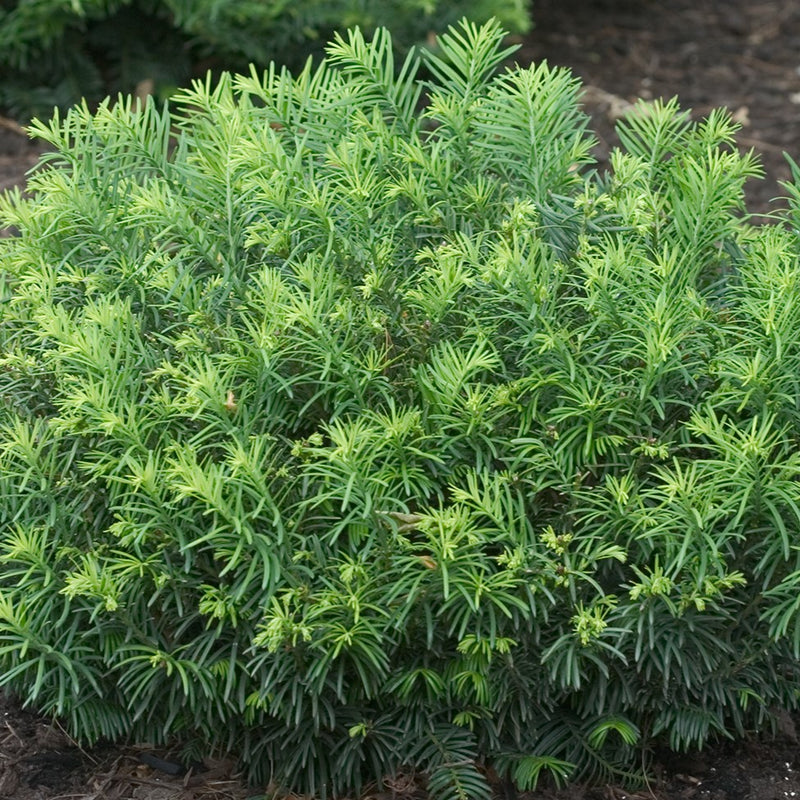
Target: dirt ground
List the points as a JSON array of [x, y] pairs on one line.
[[741, 54], [38, 761]]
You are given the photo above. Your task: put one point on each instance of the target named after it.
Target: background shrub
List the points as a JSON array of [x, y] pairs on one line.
[[56, 52], [348, 438]]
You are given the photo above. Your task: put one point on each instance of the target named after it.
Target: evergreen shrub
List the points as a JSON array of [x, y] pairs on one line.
[[56, 52], [354, 439]]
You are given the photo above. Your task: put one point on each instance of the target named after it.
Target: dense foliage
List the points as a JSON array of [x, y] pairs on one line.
[[56, 52], [350, 438]]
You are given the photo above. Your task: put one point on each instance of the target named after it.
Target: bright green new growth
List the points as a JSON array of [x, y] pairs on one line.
[[348, 437]]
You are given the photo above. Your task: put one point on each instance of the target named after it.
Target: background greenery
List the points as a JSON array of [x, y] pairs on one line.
[[56, 52], [350, 439]]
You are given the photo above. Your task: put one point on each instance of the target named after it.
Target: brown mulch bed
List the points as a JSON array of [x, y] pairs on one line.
[[733, 53], [39, 761], [743, 55], [18, 154]]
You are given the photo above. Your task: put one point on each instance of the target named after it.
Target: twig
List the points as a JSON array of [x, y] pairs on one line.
[[11, 125], [14, 733], [72, 741], [760, 144]]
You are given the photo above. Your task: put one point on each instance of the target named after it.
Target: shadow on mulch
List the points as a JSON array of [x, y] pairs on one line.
[[39, 761]]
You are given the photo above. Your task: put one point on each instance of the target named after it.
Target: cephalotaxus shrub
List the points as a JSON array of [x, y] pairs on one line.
[[348, 437], [57, 52]]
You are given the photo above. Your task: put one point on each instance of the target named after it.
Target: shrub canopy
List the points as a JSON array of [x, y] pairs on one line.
[[348, 437]]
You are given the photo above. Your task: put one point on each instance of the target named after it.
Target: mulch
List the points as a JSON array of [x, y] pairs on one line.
[[741, 54]]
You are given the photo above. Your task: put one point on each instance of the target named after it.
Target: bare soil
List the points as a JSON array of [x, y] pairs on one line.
[[742, 54], [39, 761]]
